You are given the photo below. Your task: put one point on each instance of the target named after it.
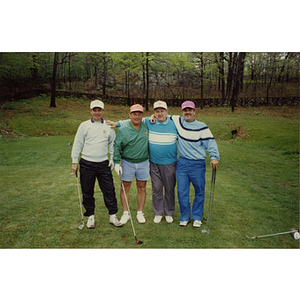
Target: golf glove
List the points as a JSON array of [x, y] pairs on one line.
[[111, 164], [118, 169]]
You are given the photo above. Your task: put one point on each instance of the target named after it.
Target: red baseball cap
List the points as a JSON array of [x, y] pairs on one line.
[[136, 107]]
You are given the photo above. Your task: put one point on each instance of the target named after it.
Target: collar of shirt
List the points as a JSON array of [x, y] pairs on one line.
[[102, 121], [163, 123]]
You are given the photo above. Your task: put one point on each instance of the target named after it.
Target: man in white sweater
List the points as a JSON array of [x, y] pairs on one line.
[[92, 140]]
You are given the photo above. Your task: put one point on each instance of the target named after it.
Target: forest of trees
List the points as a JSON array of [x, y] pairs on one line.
[[222, 77]]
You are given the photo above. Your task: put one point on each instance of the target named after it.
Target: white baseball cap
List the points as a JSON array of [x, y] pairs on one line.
[[97, 103], [160, 104]]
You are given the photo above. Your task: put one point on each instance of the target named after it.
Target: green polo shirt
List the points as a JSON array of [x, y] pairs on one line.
[[132, 144]]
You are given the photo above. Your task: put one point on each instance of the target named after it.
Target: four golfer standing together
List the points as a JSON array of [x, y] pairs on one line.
[[141, 147]]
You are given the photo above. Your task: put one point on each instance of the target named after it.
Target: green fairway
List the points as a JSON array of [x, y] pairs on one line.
[[256, 190]]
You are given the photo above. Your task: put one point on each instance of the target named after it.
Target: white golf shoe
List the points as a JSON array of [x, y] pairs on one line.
[[169, 219], [125, 217], [184, 223], [157, 219], [197, 223], [140, 217], [114, 220], [91, 222]]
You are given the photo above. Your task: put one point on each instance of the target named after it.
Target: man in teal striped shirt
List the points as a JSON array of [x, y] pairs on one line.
[[163, 157]]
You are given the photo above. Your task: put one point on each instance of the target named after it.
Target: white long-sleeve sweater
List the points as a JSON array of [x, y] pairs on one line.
[[94, 140]]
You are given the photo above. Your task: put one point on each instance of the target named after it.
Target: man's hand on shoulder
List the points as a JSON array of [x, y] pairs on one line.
[[111, 124], [152, 119]]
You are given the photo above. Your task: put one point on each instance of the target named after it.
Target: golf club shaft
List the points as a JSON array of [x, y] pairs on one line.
[[211, 197], [128, 209], [79, 198], [260, 236]]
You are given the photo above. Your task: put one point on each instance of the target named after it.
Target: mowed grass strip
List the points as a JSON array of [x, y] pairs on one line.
[[256, 191]]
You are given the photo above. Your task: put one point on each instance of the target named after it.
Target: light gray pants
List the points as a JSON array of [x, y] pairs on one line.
[[163, 178]]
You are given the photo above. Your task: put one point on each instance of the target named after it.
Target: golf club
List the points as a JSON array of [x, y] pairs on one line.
[[294, 232], [211, 198], [82, 225], [136, 240]]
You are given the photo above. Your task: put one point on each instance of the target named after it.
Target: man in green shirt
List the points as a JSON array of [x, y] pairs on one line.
[[131, 158]]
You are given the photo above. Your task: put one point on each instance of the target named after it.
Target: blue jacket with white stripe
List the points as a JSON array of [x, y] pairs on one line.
[[194, 139]]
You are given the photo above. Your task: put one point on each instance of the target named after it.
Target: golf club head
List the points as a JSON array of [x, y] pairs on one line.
[[205, 230], [80, 226], [138, 242]]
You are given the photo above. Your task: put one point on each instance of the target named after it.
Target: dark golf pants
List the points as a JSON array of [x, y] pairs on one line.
[[89, 171]]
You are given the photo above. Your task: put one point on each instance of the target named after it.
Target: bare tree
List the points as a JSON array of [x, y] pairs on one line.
[[53, 83], [238, 77], [55, 63], [147, 82], [222, 75], [201, 78], [235, 76]]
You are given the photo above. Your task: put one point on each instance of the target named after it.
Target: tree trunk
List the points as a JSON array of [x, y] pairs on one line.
[[104, 75], [70, 71], [127, 88], [34, 69], [234, 80], [144, 79], [55, 62], [222, 75], [229, 77], [201, 80], [96, 75], [240, 70], [237, 69], [280, 79], [147, 81]]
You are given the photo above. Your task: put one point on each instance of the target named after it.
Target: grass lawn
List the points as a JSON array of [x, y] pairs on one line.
[[256, 191]]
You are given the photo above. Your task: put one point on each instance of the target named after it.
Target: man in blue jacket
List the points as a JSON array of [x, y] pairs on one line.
[[194, 139]]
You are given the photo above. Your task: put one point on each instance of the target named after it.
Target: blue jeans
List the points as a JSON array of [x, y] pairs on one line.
[[190, 171]]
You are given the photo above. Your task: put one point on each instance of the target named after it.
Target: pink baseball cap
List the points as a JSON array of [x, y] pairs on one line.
[[136, 107], [188, 104]]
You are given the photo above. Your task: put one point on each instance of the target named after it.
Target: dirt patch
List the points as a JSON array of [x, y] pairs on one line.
[[6, 134]]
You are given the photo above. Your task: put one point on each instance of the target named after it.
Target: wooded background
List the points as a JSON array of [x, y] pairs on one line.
[[208, 78]]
